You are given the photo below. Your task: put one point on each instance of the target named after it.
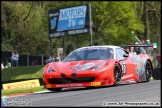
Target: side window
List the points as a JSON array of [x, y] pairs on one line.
[[119, 53]]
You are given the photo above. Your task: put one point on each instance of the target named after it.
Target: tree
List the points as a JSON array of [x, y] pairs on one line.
[[23, 23], [149, 13]]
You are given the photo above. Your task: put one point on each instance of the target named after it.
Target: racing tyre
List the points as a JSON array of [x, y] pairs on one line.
[[117, 74], [54, 89], [91, 87], [148, 71]]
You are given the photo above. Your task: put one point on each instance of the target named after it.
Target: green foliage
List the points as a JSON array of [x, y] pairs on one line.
[[28, 35], [25, 24], [114, 22]]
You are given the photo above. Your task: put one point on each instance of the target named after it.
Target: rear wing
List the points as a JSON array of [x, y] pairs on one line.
[[139, 45], [153, 47]]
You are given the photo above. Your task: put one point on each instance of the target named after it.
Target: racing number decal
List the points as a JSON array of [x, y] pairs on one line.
[[123, 67]]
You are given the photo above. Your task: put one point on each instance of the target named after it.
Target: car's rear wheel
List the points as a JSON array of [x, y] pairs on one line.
[[148, 70], [117, 74], [54, 89]]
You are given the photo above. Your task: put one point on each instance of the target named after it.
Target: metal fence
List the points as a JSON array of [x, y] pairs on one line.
[[24, 60]]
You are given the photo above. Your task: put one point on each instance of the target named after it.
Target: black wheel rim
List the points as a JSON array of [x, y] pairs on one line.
[[117, 74], [148, 71]]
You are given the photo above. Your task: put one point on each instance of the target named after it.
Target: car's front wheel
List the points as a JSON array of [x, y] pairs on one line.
[[54, 89], [117, 74]]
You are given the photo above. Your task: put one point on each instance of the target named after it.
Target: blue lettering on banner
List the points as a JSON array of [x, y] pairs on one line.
[[72, 18]]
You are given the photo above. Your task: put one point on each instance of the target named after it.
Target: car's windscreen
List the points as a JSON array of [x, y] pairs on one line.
[[92, 53]]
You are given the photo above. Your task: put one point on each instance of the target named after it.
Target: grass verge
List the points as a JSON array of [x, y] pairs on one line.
[[23, 90], [22, 72]]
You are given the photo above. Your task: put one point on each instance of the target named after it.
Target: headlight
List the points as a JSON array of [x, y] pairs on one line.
[[49, 70], [97, 67]]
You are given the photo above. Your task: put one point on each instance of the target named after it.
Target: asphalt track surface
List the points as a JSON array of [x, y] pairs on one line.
[[140, 92]]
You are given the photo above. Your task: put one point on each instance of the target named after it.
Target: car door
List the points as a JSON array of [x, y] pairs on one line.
[[128, 68]]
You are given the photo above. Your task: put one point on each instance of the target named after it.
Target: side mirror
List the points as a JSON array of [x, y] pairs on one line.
[[125, 55]]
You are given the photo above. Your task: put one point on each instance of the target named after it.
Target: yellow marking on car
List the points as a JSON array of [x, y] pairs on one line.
[[95, 83], [48, 86]]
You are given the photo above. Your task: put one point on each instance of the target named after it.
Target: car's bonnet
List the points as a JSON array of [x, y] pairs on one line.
[[75, 65]]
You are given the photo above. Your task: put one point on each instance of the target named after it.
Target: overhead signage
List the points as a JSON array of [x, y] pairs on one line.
[[70, 21]]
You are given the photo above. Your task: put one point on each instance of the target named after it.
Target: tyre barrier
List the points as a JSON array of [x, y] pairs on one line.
[[156, 74]]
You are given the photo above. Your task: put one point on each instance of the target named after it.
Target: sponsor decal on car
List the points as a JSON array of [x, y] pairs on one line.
[[83, 67], [127, 76], [69, 85], [95, 83], [139, 63], [123, 64]]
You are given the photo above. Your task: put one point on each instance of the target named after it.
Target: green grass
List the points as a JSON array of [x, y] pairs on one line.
[[22, 72], [23, 90]]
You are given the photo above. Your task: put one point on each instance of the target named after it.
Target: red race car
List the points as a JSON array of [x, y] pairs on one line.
[[97, 66]]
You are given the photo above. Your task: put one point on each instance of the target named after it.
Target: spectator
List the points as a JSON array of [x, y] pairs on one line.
[[35, 62], [50, 60], [56, 59], [143, 42], [2, 66], [139, 50], [126, 48], [15, 58], [131, 48], [8, 64], [148, 49], [12, 59], [136, 49]]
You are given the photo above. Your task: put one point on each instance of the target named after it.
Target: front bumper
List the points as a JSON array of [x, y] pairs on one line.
[[82, 79], [76, 85]]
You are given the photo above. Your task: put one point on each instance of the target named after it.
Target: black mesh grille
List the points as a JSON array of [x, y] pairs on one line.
[[70, 80]]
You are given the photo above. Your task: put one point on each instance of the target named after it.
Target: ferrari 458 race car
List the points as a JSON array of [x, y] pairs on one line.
[[97, 66]]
